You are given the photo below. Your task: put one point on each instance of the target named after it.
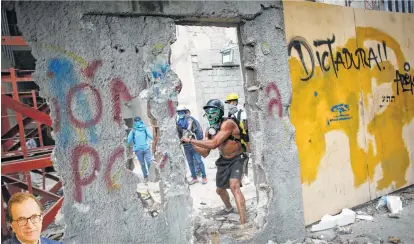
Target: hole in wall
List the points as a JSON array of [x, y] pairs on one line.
[[141, 133], [207, 61]]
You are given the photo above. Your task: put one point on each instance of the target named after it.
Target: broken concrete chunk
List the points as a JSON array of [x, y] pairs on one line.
[[344, 230], [228, 226], [233, 217], [346, 217], [365, 217], [394, 204], [394, 215], [221, 218], [394, 240]]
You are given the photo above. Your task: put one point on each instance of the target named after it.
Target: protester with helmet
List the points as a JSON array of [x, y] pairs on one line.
[[237, 111], [224, 134], [140, 135], [189, 127]]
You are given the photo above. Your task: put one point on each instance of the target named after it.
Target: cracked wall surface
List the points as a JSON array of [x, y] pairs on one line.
[[94, 57]]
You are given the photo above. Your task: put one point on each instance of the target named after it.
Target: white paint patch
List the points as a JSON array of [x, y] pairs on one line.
[[334, 187], [81, 207], [408, 137], [391, 57]]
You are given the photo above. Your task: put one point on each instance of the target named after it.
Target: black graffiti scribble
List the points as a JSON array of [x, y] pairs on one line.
[[297, 43], [388, 99], [405, 80], [343, 59]]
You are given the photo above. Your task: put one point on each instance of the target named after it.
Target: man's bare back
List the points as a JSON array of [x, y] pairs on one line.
[[229, 165]]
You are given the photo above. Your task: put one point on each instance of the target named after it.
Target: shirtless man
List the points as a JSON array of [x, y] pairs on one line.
[[224, 135]]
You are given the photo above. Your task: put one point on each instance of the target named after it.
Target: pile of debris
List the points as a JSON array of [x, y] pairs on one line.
[[338, 228], [209, 226]]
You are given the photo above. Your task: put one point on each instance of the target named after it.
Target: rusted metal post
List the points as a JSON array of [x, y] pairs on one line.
[[39, 130], [5, 124], [18, 115], [4, 230]]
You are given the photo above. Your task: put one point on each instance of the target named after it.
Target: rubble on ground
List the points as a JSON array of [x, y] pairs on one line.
[[390, 206]]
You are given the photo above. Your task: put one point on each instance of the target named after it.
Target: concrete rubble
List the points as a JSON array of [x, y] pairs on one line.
[[373, 225]]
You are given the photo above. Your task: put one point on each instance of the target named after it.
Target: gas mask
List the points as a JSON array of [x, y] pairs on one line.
[[181, 115], [214, 118], [232, 109]]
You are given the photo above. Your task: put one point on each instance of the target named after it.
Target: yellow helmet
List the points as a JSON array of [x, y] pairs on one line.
[[231, 97]]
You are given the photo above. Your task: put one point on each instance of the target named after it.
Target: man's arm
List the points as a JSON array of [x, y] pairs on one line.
[[190, 125], [130, 136], [222, 135], [203, 151], [149, 133]]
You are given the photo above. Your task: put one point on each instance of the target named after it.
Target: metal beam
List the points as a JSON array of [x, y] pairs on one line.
[[45, 195], [13, 41], [50, 215], [25, 165], [26, 110]]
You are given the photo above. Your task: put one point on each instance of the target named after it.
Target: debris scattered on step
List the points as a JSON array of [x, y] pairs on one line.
[[394, 240], [233, 217], [365, 217], [328, 221], [228, 226], [221, 218], [343, 230]]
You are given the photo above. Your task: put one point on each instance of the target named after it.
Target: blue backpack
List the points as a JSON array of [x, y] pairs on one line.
[[199, 131]]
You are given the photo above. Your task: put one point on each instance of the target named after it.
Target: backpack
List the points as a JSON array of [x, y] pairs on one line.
[[133, 134], [198, 131], [244, 137], [244, 125]]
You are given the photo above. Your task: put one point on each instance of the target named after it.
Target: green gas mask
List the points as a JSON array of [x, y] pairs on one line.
[[214, 118]]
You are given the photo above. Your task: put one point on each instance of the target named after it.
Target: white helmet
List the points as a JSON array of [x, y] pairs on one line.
[[181, 108]]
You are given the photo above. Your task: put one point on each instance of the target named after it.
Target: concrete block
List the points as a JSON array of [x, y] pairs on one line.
[[328, 221]]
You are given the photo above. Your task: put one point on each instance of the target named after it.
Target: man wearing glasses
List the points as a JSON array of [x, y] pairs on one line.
[[25, 213], [224, 134]]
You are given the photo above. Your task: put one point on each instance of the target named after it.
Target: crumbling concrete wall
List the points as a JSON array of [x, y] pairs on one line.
[[93, 57]]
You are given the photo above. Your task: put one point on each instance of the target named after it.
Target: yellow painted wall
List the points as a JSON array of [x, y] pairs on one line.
[[354, 121]]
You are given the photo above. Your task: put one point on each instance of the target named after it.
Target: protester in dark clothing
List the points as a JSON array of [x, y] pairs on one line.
[[189, 127]]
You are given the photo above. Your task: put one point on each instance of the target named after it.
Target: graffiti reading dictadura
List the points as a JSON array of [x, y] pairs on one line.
[[344, 59]]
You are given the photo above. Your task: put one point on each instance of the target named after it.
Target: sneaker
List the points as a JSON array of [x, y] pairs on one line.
[[224, 211], [193, 181], [204, 181]]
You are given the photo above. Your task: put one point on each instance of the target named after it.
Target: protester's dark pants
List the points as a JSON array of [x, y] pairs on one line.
[[193, 158]]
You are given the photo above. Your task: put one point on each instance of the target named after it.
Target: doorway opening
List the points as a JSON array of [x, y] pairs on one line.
[[207, 61]]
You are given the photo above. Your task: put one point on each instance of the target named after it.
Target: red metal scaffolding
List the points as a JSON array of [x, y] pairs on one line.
[[18, 166]]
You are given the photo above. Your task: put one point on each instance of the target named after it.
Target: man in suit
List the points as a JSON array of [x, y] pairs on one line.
[[26, 216]]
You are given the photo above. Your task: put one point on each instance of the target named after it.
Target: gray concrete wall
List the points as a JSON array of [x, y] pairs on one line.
[[92, 57]]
